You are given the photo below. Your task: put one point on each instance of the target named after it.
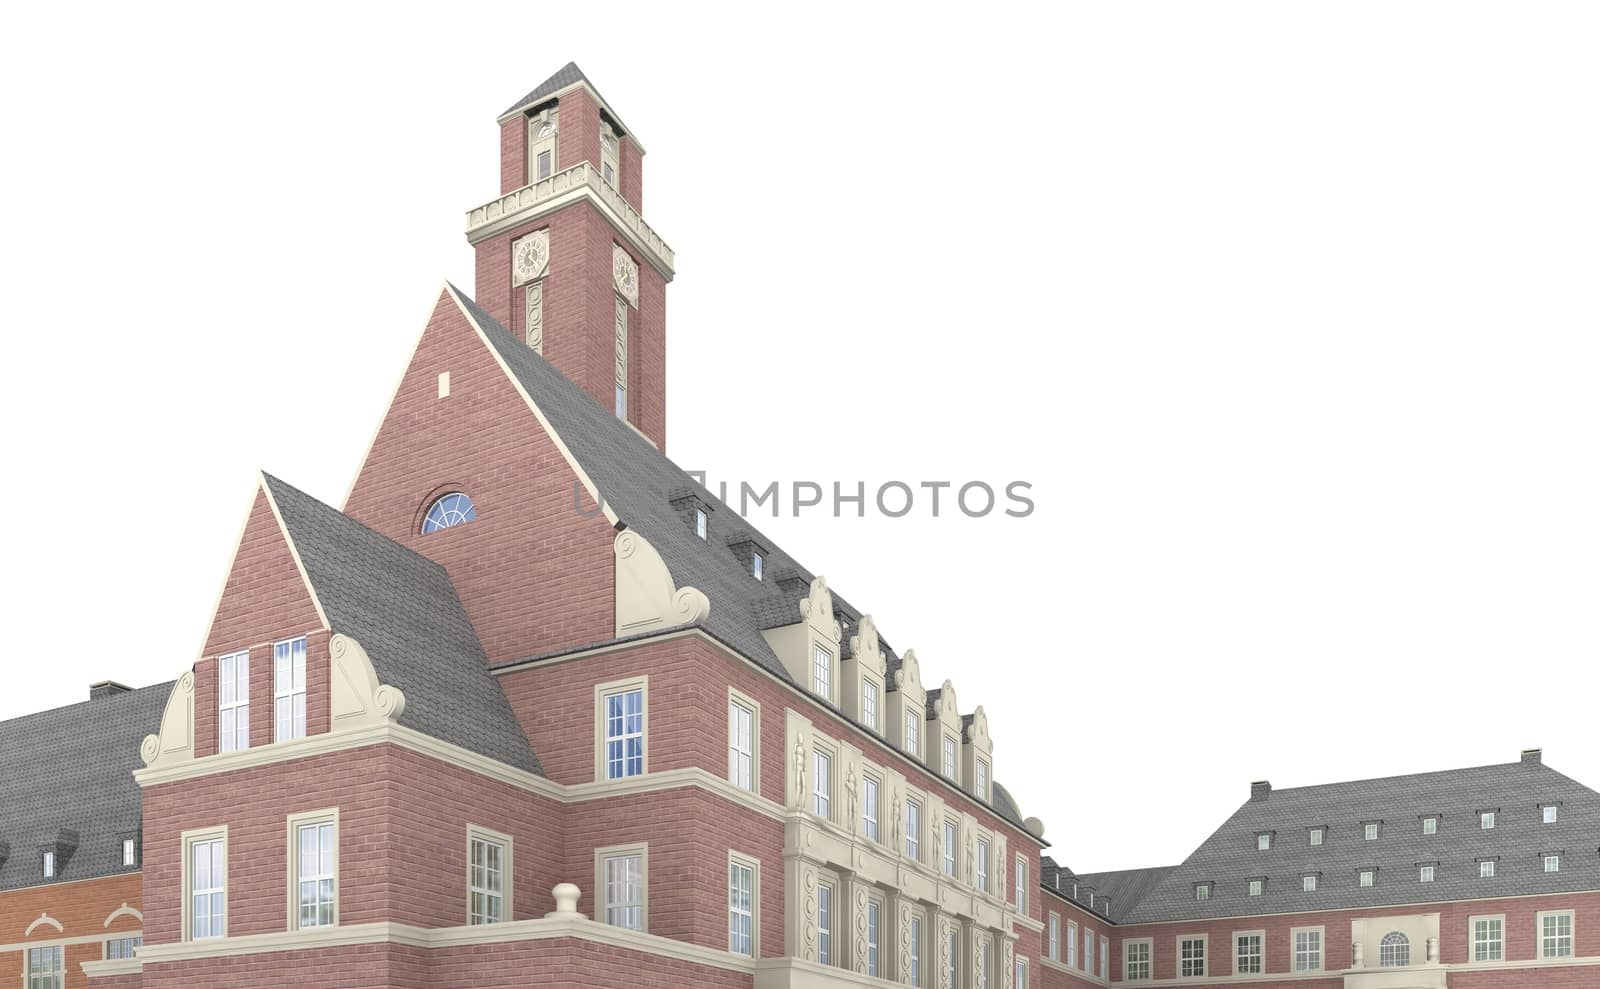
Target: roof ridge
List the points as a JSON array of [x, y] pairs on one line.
[[112, 698], [1276, 791], [274, 479]]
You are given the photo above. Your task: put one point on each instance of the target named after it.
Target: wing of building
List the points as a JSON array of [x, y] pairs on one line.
[[534, 706]]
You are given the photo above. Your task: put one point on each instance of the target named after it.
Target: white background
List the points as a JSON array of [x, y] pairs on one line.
[[1287, 311]]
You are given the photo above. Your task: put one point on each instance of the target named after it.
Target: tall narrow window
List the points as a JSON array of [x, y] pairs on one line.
[[981, 969], [1192, 956], [741, 745], [983, 864], [487, 860], [915, 949], [1488, 939], [947, 763], [913, 830], [46, 968], [1072, 944], [758, 565], [289, 689], [869, 704], [1105, 959], [130, 852], [1088, 950], [700, 523], [622, 358], [315, 852], [822, 784], [624, 890], [624, 740], [47, 865], [869, 808], [825, 923], [208, 888], [949, 847], [608, 157], [1307, 951], [872, 938], [542, 146], [1054, 950], [952, 957], [1020, 975], [1247, 955], [741, 908], [233, 702], [822, 673], [982, 788], [1019, 888], [913, 739]]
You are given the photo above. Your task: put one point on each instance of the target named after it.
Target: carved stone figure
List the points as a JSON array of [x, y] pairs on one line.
[[799, 773], [850, 797], [1358, 953]]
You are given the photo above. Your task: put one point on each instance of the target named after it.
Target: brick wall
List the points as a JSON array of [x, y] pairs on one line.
[[632, 173], [533, 574], [80, 907], [513, 154]]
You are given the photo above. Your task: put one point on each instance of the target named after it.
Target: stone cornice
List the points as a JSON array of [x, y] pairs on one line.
[[581, 181]]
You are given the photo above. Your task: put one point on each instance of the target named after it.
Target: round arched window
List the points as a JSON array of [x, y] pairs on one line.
[[1394, 951], [454, 508]]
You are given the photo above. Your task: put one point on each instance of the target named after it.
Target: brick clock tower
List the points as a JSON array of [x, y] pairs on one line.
[[564, 257]]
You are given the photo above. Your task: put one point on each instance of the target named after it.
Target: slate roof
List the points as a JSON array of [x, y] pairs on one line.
[[640, 484], [564, 77], [1229, 858], [72, 768], [1125, 889], [1068, 885], [404, 611]]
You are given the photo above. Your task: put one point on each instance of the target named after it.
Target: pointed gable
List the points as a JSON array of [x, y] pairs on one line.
[[265, 596]]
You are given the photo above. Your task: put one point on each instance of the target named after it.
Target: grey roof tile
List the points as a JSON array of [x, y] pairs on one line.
[[404, 611], [563, 77], [72, 768]]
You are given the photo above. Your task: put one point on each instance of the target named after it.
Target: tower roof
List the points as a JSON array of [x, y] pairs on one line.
[[565, 78]]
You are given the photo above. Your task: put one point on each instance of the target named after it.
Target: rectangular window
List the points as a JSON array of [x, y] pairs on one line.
[[623, 889], [872, 938], [822, 784], [1308, 884], [822, 674], [1552, 863], [1486, 820], [1072, 944], [1555, 935], [947, 762], [949, 848], [1202, 891], [622, 363], [122, 947], [915, 949], [488, 862], [741, 745], [1316, 836], [1486, 869], [130, 852], [1105, 959], [983, 864], [233, 702], [741, 907], [700, 523], [1020, 886], [1308, 951], [47, 865], [1550, 812], [1425, 874], [289, 689], [313, 859], [1368, 878], [982, 787], [952, 953], [46, 968], [981, 975], [869, 704], [1054, 949], [757, 565], [608, 156], [1088, 950], [1488, 939], [623, 711], [1256, 886], [1136, 961], [1263, 842], [1430, 825], [825, 923], [206, 859], [1020, 975], [1370, 832], [869, 807], [1247, 954], [1191, 956], [543, 165], [913, 830], [913, 742]]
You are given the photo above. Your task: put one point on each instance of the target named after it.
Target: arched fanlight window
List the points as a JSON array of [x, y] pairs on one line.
[[1394, 951], [454, 508]]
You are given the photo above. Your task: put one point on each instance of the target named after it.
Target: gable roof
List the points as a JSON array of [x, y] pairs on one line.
[[404, 611], [1229, 858], [1117, 893], [640, 484], [72, 769], [565, 76]]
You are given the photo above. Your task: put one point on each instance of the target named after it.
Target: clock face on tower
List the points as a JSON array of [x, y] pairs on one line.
[[625, 273], [530, 256]]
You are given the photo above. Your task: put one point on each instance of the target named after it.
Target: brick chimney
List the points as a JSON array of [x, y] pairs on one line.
[[1260, 790], [1533, 757], [107, 688]]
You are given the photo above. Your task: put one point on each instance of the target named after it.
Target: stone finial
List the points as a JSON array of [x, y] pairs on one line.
[[566, 895]]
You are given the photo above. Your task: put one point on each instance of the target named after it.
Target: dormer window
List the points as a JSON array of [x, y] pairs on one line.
[[1257, 886], [48, 865], [1552, 862], [1202, 891], [1368, 878], [1425, 872], [1315, 836], [130, 852], [1430, 825], [700, 523], [948, 762], [1308, 883], [1486, 869], [822, 673], [756, 563], [982, 787], [1369, 830], [1486, 820], [1549, 813], [869, 704], [1264, 841]]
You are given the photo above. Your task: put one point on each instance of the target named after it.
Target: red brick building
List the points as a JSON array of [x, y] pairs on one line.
[[535, 707]]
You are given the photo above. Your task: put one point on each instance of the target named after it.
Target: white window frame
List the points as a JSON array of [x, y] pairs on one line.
[[870, 695], [1202, 891], [914, 949], [739, 862], [952, 839], [477, 835], [1498, 945], [47, 864], [188, 840], [1020, 973], [1426, 873], [1260, 956], [53, 977], [827, 892], [1308, 883], [1367, 878], [702, 524], [1487, 819], [1549, 813], [611, 912], [289, 699], [1256, 887], [1053, 945], [1430, 825], [610, 157], [1105, 958], [228, 668], [870, 794], [1197, 965], [1313, 958], [130, 852], [912, 742], [1552, 863], [980, 783], [1316, 836], [1147, 963], [821, 672], [947, 760], [1371, 830], [1264, 841], [1088, 949], [983, 865], [744, 755], [1486, 869], [327, 817], [874, 929], [1543, 939], [952, 957], [758, 565], [1020, 885], [546, 145], [913, 835], [603, 692], [1072, 943], [822, 783]]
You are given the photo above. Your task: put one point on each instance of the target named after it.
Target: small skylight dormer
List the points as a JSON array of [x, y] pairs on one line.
[[1371, 830], [757, 562], [1263, 841], [701, 524], [1202, 891], [1549, 813], [47, 867], [1315, 836], [1487, 819]]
